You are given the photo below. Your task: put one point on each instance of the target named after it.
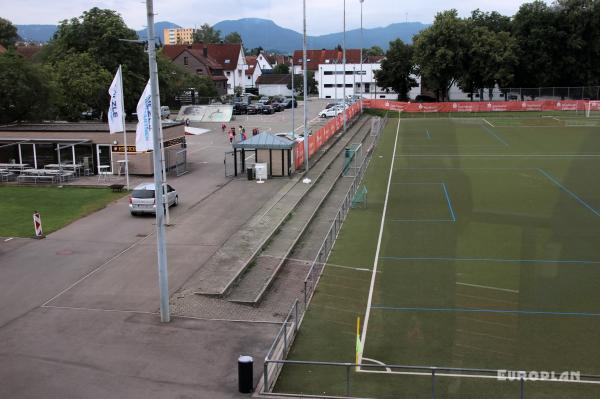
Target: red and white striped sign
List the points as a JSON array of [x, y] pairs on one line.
[[37, 224]]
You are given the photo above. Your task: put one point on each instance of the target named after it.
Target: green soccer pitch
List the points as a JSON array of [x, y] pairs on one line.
[[480, 248]]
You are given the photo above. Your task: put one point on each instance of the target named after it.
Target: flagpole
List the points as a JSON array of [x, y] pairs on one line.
[[124, 128]]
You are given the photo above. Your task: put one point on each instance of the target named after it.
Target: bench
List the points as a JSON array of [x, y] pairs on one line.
[[35, 178], [116, 188]]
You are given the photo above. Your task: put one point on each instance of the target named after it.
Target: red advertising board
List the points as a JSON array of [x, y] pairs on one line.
[[483, 106]]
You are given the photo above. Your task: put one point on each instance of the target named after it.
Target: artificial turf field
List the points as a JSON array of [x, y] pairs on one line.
[[488, 257]]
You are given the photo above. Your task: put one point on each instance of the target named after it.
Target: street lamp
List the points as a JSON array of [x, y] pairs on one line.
[[157, 154], [305, 80]]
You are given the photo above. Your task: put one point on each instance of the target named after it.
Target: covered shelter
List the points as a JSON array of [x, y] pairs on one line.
[[275, 151]]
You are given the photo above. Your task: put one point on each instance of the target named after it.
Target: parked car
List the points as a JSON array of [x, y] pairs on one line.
[[331, 112], [277, 106], [425, 99], [165, 112], [90, 114], [240, 109], [142, 199], [289, 102], [265, 100], [329, 105], [268, 109], [255, 108]]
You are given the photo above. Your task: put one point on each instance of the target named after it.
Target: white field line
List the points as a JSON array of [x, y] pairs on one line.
[[499, 155], [376, 261], [488, 122], [487, 287]]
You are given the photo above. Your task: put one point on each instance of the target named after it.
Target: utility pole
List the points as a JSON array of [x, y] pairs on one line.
[[305, 86], [293, 100], [163, 282]]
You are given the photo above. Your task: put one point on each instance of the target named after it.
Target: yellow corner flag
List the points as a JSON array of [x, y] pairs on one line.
[[358, 344]]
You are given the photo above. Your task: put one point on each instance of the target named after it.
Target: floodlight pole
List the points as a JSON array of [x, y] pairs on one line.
[[305, 80], [361, 55], [293, 99], [163, 282], [344, 72]]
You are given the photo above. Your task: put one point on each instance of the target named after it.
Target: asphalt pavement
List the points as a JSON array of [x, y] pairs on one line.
[[79, 309]]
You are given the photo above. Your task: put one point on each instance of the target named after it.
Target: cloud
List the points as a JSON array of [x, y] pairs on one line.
[[323, 16]]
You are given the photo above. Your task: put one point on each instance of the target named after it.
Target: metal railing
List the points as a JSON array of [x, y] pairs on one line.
[[344, 388], [285, 337], [316, 268]]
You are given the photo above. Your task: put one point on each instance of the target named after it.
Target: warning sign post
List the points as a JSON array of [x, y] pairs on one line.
[[37, 224]]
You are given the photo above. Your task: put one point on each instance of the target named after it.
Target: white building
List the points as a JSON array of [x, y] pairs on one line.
[[232, 57], [274, 85], [330, 82]]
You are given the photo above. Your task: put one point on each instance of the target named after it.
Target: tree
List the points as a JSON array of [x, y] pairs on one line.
[[82, 84], [439, 52], [374, 51], [233, 38], [25, 91], [397, 69], [299, 83], [541, 45], [281, 69], [254, 51], [97, 33], [8, 33], [207, 35], [490, 55]]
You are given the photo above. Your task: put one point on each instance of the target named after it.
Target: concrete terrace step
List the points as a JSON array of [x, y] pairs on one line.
[[262, 271], [226, 265]]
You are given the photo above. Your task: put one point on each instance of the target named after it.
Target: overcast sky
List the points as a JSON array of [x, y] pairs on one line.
[[323, 16]]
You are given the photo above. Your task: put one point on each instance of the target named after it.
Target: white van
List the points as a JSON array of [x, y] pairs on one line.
[[165, 112]]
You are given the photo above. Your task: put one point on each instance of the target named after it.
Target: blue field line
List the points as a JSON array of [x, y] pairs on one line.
[[482, 310], [494, 135], [571, 193], [428, 134], [449, 202], [497, 260]]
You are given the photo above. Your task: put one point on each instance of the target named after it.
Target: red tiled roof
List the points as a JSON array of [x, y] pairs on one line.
[[274, 79], [252, 62], [28, 51], [316, 57], [172, 51], [219, 77], [223, 52]]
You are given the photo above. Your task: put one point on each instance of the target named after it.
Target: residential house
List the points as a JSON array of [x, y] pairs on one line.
[[232, 57], [27, 50], [274, 85], [195, 60], [263, 62]]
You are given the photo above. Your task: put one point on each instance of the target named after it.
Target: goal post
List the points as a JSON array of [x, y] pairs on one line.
[[592, 109]]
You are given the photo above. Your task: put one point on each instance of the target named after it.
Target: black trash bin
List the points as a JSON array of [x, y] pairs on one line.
[[250, 173], [245, 374]]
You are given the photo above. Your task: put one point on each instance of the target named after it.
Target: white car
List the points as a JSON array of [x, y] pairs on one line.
[[331, 112], [142, 199], [165, 112]]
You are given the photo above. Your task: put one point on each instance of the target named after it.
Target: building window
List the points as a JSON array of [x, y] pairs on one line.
[[381, 96], [367, 87], [185, 60], [227, 61], [199, 71], [328, 85], [328, 73], [249, 77], [327, 96], [228, 73]]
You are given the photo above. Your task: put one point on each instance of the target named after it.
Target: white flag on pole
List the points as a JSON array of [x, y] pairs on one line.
[[143, 132], [115, 109]]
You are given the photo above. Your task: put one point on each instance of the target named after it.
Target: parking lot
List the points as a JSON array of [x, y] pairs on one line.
[[279, 122]]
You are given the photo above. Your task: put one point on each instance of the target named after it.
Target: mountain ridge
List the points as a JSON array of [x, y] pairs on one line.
[[265, 33]]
